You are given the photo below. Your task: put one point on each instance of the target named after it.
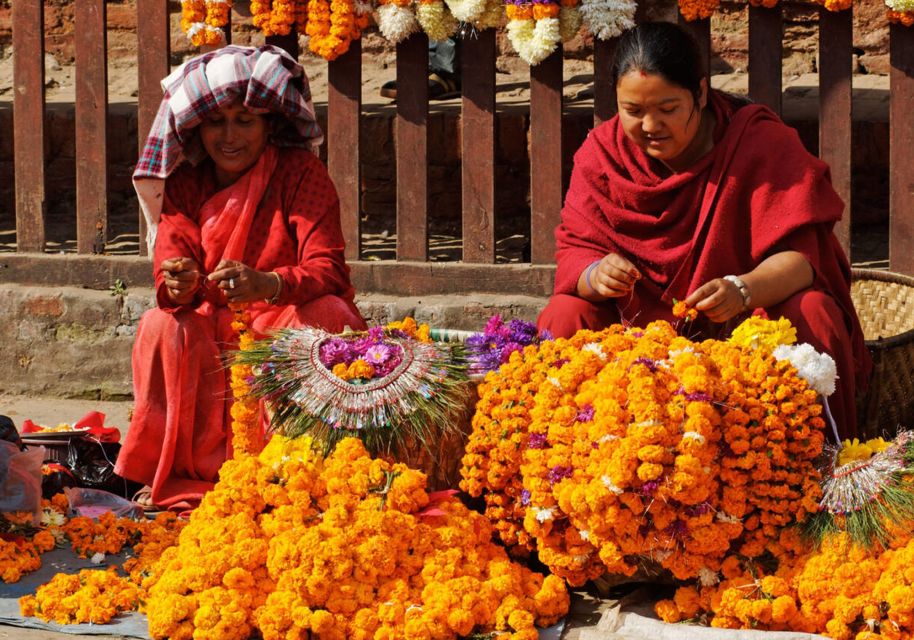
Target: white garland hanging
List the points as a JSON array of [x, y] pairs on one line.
[[436, 20], [900, 5], [396, 23], [466, 10], [534, 40], [608, 18]]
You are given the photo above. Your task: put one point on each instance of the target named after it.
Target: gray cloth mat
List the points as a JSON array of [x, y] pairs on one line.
[[129, 625]]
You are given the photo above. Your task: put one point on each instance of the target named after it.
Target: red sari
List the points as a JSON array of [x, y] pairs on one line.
[[757, 192], [283, 216]]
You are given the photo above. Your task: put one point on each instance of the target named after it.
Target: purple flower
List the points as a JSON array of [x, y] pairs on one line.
[[334, 351], [559, 473], [508, 349], [376, 333], [585, 414], [698, 509], [545, 334], [696, 396], [536, 441], [647, 362], [677, 529], [561, 362], [386, 367], [649, 487], [522, 331], [493, 325], [524, 498], [377, 354]]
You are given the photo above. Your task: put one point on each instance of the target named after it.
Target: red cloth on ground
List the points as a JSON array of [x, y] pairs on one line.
[[180, 432], [757, 192]]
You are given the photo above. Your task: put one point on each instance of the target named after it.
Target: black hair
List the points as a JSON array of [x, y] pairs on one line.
[[664, 49]]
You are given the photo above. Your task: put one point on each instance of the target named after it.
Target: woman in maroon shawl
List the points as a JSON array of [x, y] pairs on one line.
[[240, 220], [690, 194]]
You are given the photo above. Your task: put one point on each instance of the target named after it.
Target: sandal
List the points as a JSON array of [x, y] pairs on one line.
[[143, 499], [439, 88]]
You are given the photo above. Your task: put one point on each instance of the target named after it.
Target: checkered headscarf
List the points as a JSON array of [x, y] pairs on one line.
[[266, 79]]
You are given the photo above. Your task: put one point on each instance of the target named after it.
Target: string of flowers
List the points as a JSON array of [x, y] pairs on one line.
[[289, 543], [396, 19], [905, 18], [273, 17], [488, 350], [533, 28], [693, 10], [639, 448], [332, 26], [203, 20], [247, 436], [838, 5], [93, 596], [436, 19]]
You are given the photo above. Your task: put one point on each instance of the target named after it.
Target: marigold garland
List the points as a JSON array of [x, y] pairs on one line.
[[436, 19], [905, 18], [836, 5], [698, 9], [607, 19], [635, 445], [273, 17], [92, 596], [534, 28], [247, 434], [289, 543], [203, 21]]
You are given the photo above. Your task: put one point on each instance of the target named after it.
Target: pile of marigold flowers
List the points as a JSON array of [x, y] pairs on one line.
[[290, 544], [626, 448]]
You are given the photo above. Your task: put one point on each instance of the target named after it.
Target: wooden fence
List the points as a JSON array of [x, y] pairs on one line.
[[411, 272]]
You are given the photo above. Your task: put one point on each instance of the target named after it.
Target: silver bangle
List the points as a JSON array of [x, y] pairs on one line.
[[743, 289]]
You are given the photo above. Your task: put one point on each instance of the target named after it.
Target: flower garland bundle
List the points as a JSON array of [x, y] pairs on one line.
[[273, 17], [488, 350], [290, 544], [436, 19], [247, 435], [837, 5], [396, 20], [698, 9], [203, 20], [92, 596], [533, 28], [384, 386], [468, 11], [867, 490], [17, 558], [607, 19], [332, 26], [108, 535], [570, 19], [643, 446], [901, 17]]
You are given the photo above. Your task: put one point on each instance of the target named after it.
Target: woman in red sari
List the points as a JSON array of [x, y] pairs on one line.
[[690, 194], [240, 210]]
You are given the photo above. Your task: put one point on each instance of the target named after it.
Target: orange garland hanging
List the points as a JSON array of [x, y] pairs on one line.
[[203, 21], [332, 25], [247, 437], [274, 17]]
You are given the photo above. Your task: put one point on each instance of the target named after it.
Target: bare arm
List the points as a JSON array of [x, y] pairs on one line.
[[774, 280]]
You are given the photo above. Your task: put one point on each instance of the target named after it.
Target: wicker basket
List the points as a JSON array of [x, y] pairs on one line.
[[885, 305]]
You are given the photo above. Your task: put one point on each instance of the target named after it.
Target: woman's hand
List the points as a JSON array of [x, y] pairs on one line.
[[718, 299], [182, 278], [612, 277], [240, 283]]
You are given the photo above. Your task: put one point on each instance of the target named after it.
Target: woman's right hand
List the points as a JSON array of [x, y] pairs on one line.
[[612, 277], [182, 278]]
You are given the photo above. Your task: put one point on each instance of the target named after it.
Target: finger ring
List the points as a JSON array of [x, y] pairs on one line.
[[231, 283]]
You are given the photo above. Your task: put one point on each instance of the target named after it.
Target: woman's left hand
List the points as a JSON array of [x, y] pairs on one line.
[[240, 283], [718, 299]]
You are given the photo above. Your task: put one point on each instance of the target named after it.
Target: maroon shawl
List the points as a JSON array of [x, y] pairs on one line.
[[757, 192]]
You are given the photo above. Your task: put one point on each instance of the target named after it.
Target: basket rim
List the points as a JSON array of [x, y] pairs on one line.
[[882, 275]]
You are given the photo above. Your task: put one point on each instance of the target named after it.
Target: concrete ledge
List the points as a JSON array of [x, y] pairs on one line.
[[69, 342]]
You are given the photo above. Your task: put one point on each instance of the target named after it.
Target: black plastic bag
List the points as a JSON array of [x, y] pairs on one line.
[[55, 478], [92, 463], [9, 432]]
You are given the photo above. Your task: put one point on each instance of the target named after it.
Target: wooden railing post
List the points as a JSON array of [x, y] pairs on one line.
[[765, 47], [92, 127], [344, 109], [478, 147], [604, 93], [835, 99], [545, 156], [288, 42], [901, 142], [412, 148], [153, 55], [28, 123]]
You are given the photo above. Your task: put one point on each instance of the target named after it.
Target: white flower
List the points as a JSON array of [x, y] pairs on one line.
[[818, 369], [693, 435], [467, 10], [436, 20], [726, 517], [51, 518], [594, 347], [662, 554], [534, 40], [608, 483], [707, 577], [545, 514], [608, 18], [900, 5], [98, 558], [585, 534], [556, 383], [608, 438], [396, 23]]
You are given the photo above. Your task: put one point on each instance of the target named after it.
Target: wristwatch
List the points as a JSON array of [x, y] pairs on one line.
[[743, 289]]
